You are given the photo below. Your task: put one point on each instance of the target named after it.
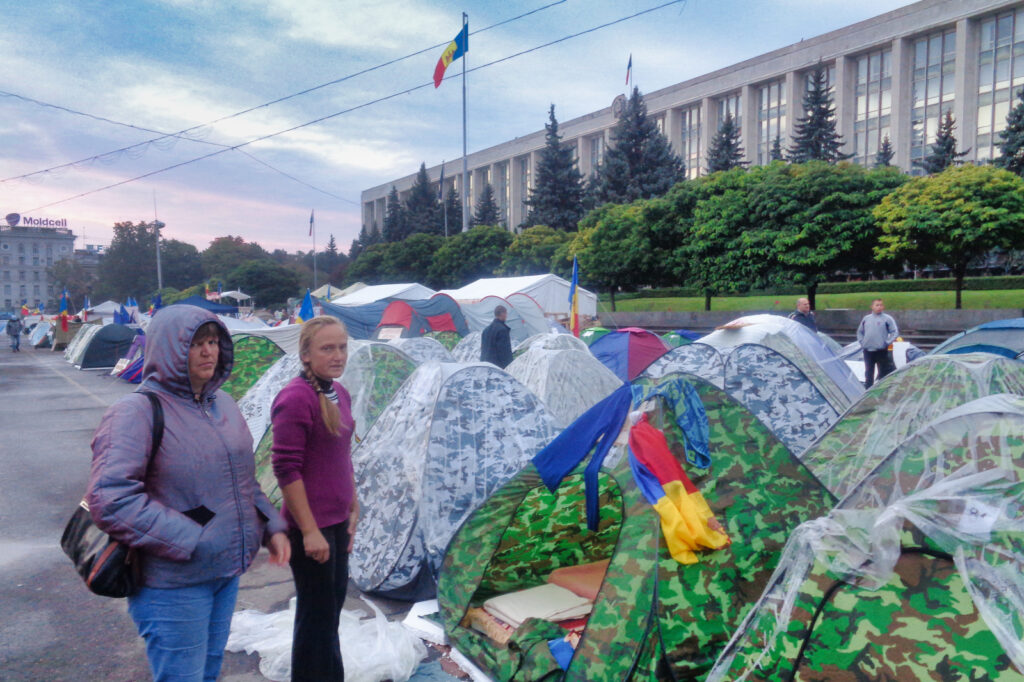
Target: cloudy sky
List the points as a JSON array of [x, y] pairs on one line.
[[88, 87]]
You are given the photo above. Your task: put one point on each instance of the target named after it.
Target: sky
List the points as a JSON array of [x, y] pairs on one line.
[[91, 91]]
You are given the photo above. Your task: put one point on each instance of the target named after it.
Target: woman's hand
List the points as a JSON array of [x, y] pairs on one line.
[[280, 549], [316, 546], [353, 521]]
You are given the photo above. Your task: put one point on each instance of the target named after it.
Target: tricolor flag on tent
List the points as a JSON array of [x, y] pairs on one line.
[[574, 299], [458, 47], [64, 310], [306, 310]]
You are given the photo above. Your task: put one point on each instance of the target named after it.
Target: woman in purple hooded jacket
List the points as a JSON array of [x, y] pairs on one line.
[[194, 512]]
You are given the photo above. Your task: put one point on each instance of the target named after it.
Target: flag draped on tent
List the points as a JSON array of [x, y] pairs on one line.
[[574, 299], [306, 311], [64, 310], [458, 47]]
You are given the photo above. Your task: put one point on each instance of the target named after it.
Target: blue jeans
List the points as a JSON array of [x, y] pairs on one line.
[[16, 342], [185, 628]]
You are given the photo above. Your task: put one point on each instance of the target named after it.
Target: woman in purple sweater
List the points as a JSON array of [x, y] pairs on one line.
[[312, 420]]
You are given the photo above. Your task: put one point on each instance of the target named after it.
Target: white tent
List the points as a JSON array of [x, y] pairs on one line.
[[329, 291], [236, 295], [105, 309], [551, 292], [481, 313], [377, 292]]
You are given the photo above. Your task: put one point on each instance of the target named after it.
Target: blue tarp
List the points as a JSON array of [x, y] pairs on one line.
[[213, 307]]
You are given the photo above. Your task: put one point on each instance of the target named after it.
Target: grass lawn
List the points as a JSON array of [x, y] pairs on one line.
[[894, 301]]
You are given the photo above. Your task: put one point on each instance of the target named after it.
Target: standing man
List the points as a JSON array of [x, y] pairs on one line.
[[496, 340], [875, 333], [803, 314], [14, 331]]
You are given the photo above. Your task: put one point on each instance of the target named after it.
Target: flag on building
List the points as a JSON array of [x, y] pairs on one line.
[[458, 47], [629, 68], [311, 223], [574, 299], [64, 310], [306, 310]]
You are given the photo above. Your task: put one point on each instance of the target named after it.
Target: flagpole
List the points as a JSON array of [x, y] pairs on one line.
[[465, 170], [312, 231]]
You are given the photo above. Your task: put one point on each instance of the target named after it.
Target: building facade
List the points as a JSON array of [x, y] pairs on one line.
[[891, 76], [27, 251]]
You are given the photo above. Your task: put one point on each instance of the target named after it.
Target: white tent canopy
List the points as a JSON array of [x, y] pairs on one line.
[[235, 294], [105, 308], [370, 294], [329, 291], [551, 292]]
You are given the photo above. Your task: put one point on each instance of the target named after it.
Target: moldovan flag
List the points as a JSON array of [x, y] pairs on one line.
[[458, 47], [85, 309], [306, 311], [64, 311], [686, 520], [24, 309], [574, 299]]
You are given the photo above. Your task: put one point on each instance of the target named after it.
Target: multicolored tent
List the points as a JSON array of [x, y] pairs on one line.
[[916, 575], [1001, 337], [679, 337], [451, 436], [653, 617], [568, 382], [592, 334], [628, 351]]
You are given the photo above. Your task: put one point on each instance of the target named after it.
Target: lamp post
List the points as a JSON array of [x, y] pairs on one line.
[[157, 225]]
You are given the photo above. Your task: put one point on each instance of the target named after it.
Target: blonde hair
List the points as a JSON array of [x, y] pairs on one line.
[[328, 410]]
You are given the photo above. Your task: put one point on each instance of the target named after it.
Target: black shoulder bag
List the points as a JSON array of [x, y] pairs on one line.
[[106, 565]]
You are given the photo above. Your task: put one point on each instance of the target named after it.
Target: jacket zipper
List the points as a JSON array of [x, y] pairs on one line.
[[234, 484]]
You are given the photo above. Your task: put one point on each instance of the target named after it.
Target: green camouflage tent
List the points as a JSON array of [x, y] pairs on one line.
[[447, 339], [653, 617], [916, 575], [253, 356], [900, 404]]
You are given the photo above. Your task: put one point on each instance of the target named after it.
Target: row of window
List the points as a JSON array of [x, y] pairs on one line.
[[37, 276], [23, 260], [23, 291]]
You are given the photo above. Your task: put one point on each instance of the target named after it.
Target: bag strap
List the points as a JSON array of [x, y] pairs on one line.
[[158, 422]]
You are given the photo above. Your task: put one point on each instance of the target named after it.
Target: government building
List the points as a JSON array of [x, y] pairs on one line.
[[28, 247], [894, 75]]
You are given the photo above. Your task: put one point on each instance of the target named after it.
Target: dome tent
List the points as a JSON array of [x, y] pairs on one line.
[[253, 356], [452, 434], [917, 574], [468, 349], [628, 351], [40, 337], [423, 349], [568, 382], [100, 347], [551, 342], [653, 617], [1001, 337], [76, 346], [592, 334]]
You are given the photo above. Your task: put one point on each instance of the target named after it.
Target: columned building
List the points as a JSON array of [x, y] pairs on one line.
[[26, 253], [894, 76]]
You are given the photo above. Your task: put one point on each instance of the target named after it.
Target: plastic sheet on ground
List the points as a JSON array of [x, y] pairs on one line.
[[373, 649], [568, 382]]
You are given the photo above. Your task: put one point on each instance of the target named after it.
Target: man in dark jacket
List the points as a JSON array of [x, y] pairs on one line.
[[14, 328], [496, 340], [803, 314]]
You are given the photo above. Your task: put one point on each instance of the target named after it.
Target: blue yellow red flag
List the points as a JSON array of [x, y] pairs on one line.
[[458, 47]]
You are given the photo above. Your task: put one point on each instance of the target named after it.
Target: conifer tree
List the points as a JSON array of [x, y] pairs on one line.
[[1011, 148], [816, 138], [883, 158], [453, 211], [423, 211], [943, 153], [725, 152], [556, 199], [486, 212], [776, 151], [640, 163], [394, 218]]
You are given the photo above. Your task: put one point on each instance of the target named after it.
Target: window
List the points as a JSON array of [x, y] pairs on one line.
[[501, 190], [596, 152], [933, 89], [21, 275], [35, 289], [7, 274], [524, 180], [771, 119], [730, 104], [21, 248], [35, 260], [692, 154], [6, 260], [871, 121], [35, 275], [35, 248], [1000, 78], [21, 260]]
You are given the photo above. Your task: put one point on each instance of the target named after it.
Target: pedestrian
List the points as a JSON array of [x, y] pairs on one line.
[[876, 333], [311, 455], [803, 314], [194, 512], [14, 328], [496, 340]]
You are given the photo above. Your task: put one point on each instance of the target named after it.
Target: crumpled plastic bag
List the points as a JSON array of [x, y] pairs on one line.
[[373, 648]]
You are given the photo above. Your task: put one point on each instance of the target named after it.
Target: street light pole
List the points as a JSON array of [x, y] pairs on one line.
[[157, 225]]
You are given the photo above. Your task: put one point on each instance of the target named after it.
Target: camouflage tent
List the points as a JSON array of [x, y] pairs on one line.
[[447, 339], [468, 349], [568, 382], [903, 402], [423, 349], [776, 390], [653, 618], [253, 356], [452, 435], [916, 575], [551, 341]]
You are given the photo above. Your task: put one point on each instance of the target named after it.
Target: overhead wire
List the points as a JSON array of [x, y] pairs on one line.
[[369, 103]]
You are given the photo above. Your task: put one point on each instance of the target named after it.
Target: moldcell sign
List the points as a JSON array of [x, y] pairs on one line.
[[13, 219]]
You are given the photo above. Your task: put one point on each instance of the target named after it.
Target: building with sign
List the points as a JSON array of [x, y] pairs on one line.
[[26, 253], [892, 76]]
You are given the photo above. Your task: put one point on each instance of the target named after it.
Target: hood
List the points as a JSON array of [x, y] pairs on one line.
[[168, 338]]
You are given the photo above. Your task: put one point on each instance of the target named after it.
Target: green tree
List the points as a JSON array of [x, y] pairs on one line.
[[128, 267], [224, 254], [452, 213], [943, 153], [269, 284], [180, 264], [370, 266], [556, 199], [952, 218], [776, 153], [470, 255], [486, 212], [395, 223], [815, 136], [410, 260], [883, 158], [725, 152], [1011, 145], [533, 251], [422, 210], [640, 163], [67, 273]]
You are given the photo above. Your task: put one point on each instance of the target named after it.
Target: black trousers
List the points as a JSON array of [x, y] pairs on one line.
[[873, 359], [320, 594]]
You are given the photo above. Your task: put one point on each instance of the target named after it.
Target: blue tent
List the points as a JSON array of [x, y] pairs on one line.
[[362, 320], [201, 302], [1001, 337]]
